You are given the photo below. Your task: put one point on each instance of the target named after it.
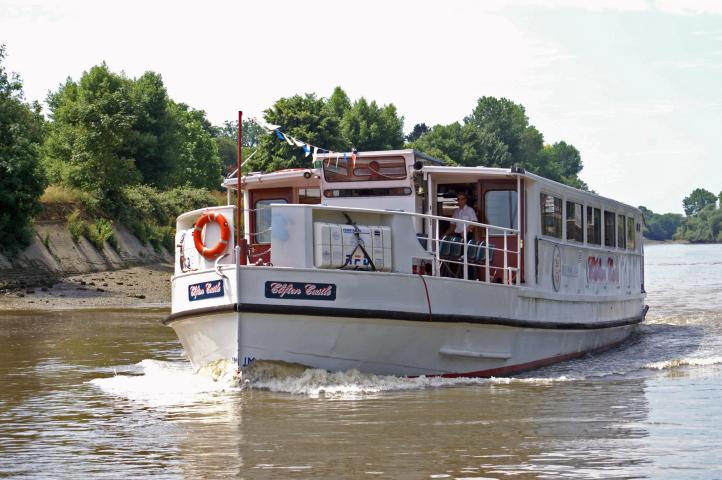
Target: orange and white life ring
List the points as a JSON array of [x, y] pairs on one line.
[[218, 248]]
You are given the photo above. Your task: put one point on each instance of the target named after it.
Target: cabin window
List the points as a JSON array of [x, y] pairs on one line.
[[551, 213], [594, 226], [610, 229], [368, 192], [310, 196], [500, 208], [575, 222], [263, 219], [345, 168], [622, 231], [630, 233]]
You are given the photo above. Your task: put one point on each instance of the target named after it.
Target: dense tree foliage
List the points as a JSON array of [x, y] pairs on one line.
[[416, 133], [335, 123], [703, 227], [704, 220], [366, 126], [109, 131], [21, 177], [497, 133], [660, 226], [697, 201], [226, 138]]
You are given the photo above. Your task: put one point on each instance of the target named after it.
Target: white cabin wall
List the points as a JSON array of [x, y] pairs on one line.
[[585, 268]]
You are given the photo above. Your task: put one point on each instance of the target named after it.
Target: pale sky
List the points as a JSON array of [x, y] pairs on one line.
[[635, 85]]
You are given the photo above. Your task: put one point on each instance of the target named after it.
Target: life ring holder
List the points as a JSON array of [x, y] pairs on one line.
[[211, 252]]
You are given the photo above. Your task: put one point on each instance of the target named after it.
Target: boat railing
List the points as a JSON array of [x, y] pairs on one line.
[[458, 256], [471, 255]]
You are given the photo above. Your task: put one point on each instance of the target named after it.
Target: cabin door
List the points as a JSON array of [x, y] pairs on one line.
[[260, 215], [498, 205]]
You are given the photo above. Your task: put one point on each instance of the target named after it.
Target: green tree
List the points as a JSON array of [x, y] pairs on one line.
[[703, 227], [508, 122], [338, 103], [697, 201], [226, 137], [416, 133], [366, 126], [305, 117], [497, 133], [660, 226], [150, 140], [560, 162], [21, 176], [87, 146], [464, 145], [197, 161]]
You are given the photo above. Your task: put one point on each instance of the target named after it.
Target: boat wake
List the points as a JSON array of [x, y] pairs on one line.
[[159, 383], [661, 345]]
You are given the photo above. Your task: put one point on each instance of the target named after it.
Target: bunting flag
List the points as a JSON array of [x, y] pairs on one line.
[[309, 149]]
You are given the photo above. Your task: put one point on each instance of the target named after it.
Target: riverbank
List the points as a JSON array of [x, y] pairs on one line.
[[145, 286]]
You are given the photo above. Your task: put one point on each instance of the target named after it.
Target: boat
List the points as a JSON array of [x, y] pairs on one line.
[[357, 263]]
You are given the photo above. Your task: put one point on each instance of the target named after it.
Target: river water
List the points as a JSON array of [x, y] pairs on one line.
[[109, 394]]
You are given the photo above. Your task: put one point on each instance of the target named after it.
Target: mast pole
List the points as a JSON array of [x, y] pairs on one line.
[[240, 234]]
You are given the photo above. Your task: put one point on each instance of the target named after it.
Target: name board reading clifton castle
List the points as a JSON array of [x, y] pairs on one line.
[[201, 291], [299, 290]]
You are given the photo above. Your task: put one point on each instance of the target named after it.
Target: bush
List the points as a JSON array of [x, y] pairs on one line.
[[76, 226]]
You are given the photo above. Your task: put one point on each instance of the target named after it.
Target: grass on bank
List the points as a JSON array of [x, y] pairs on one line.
[[147, 212]]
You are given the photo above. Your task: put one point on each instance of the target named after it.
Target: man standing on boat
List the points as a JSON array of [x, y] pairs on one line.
[[463, 212]]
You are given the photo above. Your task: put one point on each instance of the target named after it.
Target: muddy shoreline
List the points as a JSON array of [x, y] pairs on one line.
[[145, 286]]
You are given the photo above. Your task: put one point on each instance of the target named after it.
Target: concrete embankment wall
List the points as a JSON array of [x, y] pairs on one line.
[[53, 254]]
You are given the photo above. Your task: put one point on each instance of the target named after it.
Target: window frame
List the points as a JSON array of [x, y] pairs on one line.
[[605, 234], [582, 225], [542, 213], [257, 219]]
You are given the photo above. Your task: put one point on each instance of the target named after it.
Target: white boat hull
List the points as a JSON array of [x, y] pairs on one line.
[[388, 347], [498, 331]]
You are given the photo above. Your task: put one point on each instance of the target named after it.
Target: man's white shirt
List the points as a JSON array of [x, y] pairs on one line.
[[466, 213]]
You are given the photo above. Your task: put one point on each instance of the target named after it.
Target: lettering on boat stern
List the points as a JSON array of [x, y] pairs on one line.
[[300, 290], [201, 291]]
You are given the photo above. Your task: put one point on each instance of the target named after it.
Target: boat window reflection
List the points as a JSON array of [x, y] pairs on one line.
[[500, 208], [575, 222], [594, 226], [263, 219], [551, 212], [610, 230]]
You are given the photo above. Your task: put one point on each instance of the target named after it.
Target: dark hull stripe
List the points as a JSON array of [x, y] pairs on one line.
[[399, 315]]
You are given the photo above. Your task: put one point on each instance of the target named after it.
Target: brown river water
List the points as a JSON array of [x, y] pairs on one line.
[[108, 394]]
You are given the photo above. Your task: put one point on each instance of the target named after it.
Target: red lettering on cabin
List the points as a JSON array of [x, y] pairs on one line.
[[196, 290], [283, 289], [311, 290]]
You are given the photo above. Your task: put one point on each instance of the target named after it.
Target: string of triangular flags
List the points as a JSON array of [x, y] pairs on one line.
[[309, 149]]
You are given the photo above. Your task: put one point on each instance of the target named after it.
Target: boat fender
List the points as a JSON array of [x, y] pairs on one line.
[[219, 247]]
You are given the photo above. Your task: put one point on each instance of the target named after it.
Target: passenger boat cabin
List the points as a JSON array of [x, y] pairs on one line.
[[527, 227]]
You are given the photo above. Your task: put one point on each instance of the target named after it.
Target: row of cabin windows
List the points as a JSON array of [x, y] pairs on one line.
[[619, 230]]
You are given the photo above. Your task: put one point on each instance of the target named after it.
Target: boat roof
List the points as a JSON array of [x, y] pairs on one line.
[[310, 177]]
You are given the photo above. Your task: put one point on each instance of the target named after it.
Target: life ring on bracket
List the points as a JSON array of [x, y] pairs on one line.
[[218, 248]]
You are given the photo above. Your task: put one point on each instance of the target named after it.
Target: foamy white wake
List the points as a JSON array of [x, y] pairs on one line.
[[684, 362], [171, 383], [297, 380], [159, 383]]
